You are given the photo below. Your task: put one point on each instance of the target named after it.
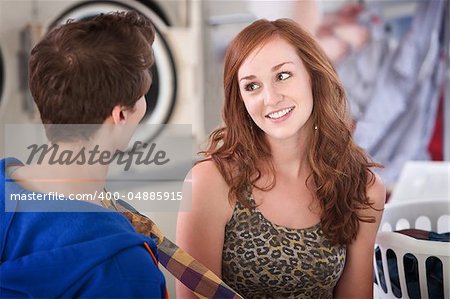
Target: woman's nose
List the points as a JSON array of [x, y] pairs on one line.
[[271, 96]]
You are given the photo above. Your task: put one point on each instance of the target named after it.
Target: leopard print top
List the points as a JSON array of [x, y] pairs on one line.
[[264, 260]]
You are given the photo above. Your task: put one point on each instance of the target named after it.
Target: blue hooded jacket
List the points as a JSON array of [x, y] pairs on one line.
[[72, 254]]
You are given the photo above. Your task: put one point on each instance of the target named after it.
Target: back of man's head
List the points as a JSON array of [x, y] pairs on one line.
[[81, 70]]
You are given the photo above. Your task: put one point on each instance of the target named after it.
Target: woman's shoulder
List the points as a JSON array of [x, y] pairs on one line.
[[206, 175], [376, 191], [207, 188]]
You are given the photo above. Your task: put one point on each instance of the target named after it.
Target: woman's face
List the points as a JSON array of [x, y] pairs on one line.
[[276, 89]]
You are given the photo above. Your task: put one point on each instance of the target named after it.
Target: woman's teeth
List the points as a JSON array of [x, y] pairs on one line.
[[280, 113]]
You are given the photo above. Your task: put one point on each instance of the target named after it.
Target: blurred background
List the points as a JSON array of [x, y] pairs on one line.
[[392, 57]]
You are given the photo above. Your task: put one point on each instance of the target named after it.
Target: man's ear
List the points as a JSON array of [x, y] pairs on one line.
[[119, 115]]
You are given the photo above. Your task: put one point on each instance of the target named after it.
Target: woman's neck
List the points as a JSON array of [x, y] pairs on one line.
[[289, 157]]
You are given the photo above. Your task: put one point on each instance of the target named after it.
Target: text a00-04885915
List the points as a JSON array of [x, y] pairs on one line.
[[143, 195]]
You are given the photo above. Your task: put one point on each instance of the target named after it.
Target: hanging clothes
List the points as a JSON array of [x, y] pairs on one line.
[[436, 145], [359, 70], [397, 123]]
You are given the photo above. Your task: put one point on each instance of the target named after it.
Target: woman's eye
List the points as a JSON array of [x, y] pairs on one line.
[[283, 76], [251, 87]]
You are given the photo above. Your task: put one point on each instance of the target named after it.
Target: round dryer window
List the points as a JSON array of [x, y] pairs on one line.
[[162, 95]]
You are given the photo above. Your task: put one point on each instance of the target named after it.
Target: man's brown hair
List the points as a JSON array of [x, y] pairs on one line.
[[79, 71]]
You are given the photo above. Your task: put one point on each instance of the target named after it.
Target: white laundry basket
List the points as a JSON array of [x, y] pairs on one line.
[[410, 252]]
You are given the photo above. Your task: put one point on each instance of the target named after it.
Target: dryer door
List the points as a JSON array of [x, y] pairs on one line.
[[162, 95]]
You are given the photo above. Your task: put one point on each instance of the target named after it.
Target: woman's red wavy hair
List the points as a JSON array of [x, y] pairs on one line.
[[340, 170]]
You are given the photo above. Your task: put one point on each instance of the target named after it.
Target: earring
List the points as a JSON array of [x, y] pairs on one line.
[[315, 127]]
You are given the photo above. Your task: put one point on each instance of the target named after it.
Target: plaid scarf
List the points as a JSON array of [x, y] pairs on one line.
[[199, 279]]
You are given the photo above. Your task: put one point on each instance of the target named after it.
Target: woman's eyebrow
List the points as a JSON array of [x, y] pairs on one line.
[[250, 77], [274, 69], [278, 66]]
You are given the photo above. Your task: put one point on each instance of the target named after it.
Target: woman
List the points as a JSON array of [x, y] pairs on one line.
[[285, 204]]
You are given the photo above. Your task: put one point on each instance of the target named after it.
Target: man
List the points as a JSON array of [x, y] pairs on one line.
[[87, 78], [83, 75]]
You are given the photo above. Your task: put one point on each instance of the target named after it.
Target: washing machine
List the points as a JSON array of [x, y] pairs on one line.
[[174, 97]]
